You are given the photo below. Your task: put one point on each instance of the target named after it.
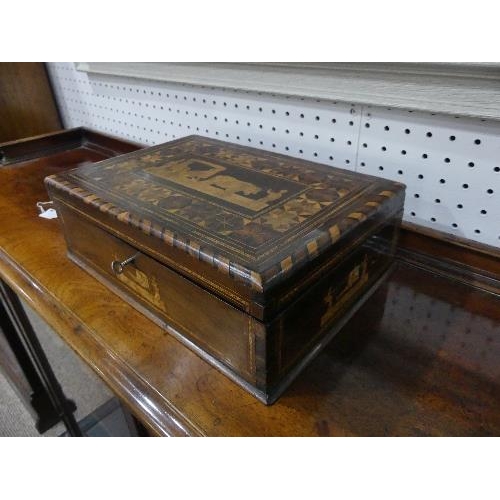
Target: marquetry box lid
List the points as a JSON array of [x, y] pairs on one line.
[[246, 224]]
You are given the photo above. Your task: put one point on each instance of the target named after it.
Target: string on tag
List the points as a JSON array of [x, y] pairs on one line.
[[44, 211]]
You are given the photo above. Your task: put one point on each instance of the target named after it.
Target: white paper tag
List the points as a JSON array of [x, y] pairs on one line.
[[49, 214]]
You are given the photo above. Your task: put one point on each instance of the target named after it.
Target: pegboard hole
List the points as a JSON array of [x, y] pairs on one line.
[[489, 191], [484, 212], [454, 224], [429, 134], [460, 206], [437, 200], [420, 176], [424, 156], [497, 169], [471, 164], [407, 130], [442, 181], [452, 137], [477, 141]]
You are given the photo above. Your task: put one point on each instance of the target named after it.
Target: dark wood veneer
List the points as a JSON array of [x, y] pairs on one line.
[[292, 245], [27, 104]]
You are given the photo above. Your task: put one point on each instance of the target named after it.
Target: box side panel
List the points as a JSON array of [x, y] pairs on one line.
[[306, 322]]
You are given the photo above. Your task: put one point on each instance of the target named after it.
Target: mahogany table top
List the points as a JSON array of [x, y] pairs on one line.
[[420, 358]]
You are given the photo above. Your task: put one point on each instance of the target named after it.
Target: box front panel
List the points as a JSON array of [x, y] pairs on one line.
[[218, 329]]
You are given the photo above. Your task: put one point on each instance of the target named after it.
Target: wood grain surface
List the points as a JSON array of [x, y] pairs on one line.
[[420, 358], [27, 104]]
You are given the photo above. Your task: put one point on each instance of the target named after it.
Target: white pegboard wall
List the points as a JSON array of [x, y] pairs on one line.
[[451, 165]]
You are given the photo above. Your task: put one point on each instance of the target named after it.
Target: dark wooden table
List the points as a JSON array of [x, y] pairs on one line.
[[422, 357]]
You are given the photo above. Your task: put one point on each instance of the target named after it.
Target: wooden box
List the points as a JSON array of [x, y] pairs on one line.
[[254, 260]]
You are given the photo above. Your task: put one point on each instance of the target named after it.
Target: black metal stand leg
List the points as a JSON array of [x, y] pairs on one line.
[[48, 398]]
